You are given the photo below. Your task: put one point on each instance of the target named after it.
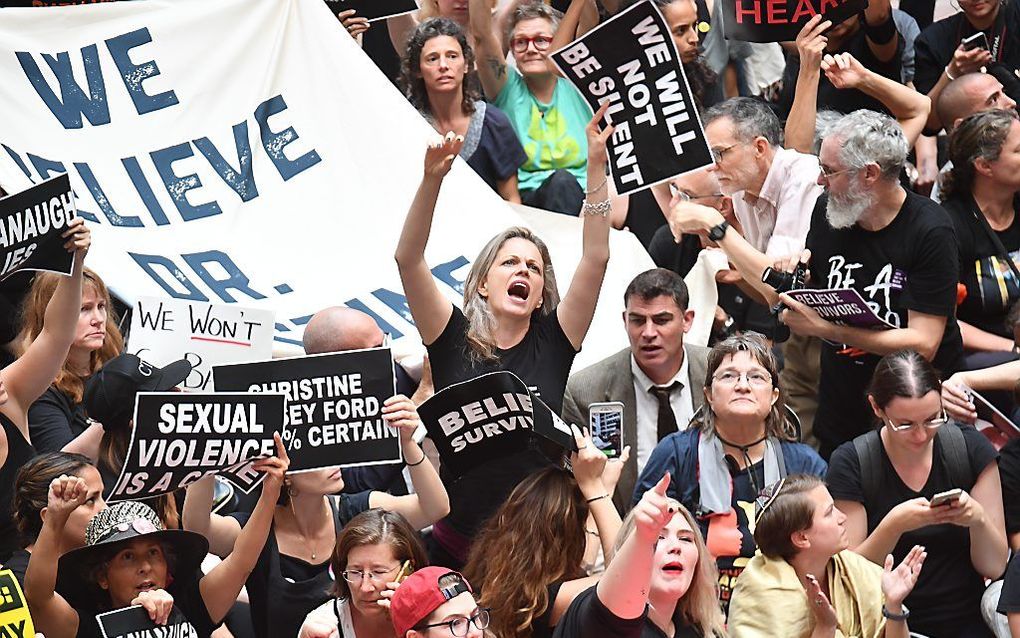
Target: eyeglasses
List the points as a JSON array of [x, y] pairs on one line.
[[687, 197], [930, 424], [755, 378], [719, 154], [355, 576], [520, 43], [766, 497], [459, 626], [828, 173]]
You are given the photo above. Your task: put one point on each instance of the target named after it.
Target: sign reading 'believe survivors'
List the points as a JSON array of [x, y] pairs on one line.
[[631, 62]]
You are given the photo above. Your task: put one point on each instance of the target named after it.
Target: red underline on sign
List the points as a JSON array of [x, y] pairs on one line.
[[233, 343]]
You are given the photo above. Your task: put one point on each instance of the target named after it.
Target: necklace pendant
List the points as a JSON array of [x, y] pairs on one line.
[[313, 555]]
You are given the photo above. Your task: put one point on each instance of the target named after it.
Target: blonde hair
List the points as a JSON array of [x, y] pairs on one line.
[[481, 332], [33, 315], [699, 606]]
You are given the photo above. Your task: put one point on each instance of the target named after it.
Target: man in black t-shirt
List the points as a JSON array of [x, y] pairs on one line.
[[896, 249]]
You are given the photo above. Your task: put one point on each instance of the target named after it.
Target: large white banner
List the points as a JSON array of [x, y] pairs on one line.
[[246, 151]]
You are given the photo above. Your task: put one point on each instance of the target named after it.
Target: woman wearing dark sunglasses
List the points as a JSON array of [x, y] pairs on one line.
[[807, 582], [887, 482]]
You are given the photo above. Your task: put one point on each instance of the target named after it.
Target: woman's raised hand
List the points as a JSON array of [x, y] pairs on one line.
[[824, 612], [588, 463], [157, 603], [400, 413], [440, 155], [275, 467], [354, 24], [66, 494], [898, 583], [78, 237], [597, 135]]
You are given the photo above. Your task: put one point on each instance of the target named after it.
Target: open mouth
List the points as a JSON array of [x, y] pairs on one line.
[[147, 586], [673, 568], [519, 290]]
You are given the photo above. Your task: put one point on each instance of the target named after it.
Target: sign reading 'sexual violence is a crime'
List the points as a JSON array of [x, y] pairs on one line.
[[179, 438]]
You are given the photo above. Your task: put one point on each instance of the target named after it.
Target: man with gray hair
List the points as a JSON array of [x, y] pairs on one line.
[[773, 189], [897, 249]]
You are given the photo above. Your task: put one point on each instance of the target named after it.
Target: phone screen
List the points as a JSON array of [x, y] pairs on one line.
[[607, 430]]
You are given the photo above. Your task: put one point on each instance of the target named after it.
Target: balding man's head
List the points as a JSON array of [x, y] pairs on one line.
[[970, 94], [338, 329]]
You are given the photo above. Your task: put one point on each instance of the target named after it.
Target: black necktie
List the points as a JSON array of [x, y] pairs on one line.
[[666, 424]]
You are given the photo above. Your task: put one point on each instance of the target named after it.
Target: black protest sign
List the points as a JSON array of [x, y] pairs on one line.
[[179, 438], [488, 417], [134, 622], [781, 20], [31, 225], [334, 405], [631, 62], [374, 9]]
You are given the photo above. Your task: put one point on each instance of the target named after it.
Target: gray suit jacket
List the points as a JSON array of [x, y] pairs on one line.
[[611, 380]]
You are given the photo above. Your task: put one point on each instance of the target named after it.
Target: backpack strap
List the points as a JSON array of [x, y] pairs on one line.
[[954, 455], [869, 456]]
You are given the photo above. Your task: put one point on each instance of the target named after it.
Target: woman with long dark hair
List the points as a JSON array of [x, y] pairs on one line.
[[886, 482], [433, 76], [980, 194], [528, 574]]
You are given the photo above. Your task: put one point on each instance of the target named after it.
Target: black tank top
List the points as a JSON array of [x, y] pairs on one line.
[[19, 452]]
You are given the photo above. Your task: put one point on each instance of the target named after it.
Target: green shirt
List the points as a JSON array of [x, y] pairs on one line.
[[552, 134]]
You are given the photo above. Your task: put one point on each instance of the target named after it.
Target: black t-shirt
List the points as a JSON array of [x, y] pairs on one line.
[[729, 538], [844, 100], [992, 289], [540, 626], [54, 420], [668, 254], [283, 590], [542, 360], [19, 452], [587, 617], [189, 618], [948, 591], [910, 264], [1009, 597], [1009, 477], [935, 47], [18, 564]]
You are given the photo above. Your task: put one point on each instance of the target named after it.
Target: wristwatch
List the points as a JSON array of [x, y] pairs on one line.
[[900, 617], [718, 231]]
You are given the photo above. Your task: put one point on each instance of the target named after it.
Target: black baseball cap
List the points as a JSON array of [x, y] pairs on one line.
[[110, 393]]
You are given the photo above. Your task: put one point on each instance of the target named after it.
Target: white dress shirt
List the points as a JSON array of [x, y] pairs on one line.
[[777, 222], [647, 408]]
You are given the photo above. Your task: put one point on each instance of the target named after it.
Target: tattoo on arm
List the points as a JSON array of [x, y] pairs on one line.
[[498, 67]]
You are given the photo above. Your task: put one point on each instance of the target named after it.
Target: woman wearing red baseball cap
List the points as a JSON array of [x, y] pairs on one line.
[[437, 598]]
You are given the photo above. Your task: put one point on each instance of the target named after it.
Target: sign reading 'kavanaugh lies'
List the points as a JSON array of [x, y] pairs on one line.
[[631, 62]]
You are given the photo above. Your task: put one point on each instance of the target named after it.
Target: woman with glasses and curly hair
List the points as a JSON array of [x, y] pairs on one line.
[[739, 444], [433, 75], [888, 483], [806, 581], [376, 550]]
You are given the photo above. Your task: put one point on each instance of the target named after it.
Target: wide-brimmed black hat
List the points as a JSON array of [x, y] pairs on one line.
[[126, 521], [110, 393]]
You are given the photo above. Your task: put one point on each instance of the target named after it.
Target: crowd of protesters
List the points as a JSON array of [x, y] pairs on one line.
[[793, 476]]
